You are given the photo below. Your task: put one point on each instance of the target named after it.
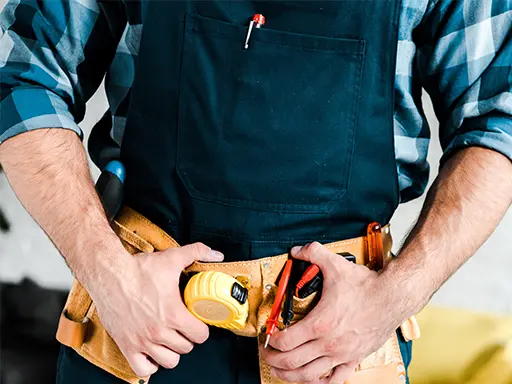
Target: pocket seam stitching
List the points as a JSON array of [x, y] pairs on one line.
[[254, 204], [259, 40]]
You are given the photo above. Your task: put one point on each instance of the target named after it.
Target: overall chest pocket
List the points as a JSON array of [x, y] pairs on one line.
[[270, 127]]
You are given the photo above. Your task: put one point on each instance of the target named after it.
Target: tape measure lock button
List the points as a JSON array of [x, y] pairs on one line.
[[239, 293], [217, 299]]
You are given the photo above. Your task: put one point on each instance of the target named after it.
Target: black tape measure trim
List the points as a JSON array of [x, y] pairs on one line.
[[239, 293]]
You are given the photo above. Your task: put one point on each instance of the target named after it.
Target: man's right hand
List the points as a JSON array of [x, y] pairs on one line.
[[137, 297], [140, 306]]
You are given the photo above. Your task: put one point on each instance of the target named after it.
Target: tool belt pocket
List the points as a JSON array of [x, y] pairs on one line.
[[301, 307]]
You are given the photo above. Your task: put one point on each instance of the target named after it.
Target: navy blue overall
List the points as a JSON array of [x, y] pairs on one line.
[[252, 151]]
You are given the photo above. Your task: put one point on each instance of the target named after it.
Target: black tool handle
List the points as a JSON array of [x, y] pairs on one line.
[[110, 188]]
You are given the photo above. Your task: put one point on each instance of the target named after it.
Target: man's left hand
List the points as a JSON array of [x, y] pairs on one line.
[[354, 317]]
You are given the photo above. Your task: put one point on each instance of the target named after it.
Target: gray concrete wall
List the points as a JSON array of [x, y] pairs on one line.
[[484, 283]]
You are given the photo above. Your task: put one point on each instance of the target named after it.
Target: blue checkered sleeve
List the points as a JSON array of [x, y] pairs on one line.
[[465, 64], [53, 56]]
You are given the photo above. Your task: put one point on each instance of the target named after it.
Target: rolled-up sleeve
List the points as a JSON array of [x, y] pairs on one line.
[[465, 63], [53, 56]]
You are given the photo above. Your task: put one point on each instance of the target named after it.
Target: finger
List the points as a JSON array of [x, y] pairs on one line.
[[141, 365], [324, 380], [317, 254], [198, 252], [309, 372], [190, 326], [163, 356], [342, 373], [295, 358], [310, 328], [174, 340]]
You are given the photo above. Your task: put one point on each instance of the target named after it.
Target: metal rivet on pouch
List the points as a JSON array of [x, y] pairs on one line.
[[141, 381], [268, 287], [402, 377], [386, 230], [266, 264], [401, 368]]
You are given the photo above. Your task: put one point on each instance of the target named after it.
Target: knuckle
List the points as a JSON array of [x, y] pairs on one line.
[[140, 341], [309, 376], [171, 318], [282, 344], [331, 346], [313, 250], [314, 247], [154, 332], [199, 248], [289, 363], [339, 380], [321, 326], [283, 375]]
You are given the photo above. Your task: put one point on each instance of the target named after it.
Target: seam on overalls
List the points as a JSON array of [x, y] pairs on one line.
[[258, 40], [286, 208], [261, 239]]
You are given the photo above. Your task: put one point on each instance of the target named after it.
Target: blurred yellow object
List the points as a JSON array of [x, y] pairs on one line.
[[461, 347]]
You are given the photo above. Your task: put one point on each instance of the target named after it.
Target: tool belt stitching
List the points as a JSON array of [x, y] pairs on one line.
[[153, 227], [344, 242], [132, 238]]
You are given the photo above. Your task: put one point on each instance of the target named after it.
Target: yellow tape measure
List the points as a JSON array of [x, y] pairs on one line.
[[217, 299]]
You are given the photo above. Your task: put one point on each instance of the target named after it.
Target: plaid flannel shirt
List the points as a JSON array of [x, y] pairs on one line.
[[54, 55]]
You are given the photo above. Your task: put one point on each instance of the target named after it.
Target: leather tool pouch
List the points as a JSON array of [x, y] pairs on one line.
[[80, 327]]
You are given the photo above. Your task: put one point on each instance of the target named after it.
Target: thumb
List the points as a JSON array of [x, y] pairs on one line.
[[317, 254], [199, 252]]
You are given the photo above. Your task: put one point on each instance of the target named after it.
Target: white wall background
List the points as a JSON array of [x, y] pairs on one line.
[[483, 284]]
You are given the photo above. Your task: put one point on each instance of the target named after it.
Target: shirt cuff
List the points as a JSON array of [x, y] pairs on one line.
[[491, 132], [30, 108]]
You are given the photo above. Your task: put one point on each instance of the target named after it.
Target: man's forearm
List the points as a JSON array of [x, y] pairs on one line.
[[48, 171], [467, 201]]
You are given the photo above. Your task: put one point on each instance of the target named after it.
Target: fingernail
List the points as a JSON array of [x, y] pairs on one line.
[[216, 255], [295, 250]]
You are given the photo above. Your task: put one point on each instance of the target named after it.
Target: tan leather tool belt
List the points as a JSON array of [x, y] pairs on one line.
[[80, 327]]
